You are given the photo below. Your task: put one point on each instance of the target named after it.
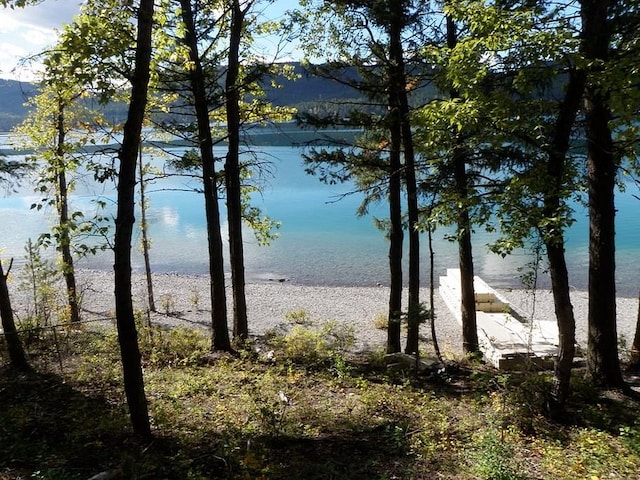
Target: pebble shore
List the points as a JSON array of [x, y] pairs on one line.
[[186, 299]]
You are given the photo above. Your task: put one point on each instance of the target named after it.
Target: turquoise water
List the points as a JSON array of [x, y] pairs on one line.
[[321, 240]]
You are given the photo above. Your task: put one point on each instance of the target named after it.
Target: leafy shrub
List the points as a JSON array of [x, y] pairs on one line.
[[314, 346], [174, 347], [298, 317], [494, 459], [380, 321], [303, 345], [630, 436], [170, 347]]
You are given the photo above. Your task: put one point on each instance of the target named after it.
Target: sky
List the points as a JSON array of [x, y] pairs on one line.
[[30, 30]]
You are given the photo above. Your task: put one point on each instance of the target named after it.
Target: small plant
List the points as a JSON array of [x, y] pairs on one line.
[[168, 304], [314, 346], [298, 317], [630, 436], [305, 346], [494, 459], [272, 411], [195, 299], [380, 321], [623, 348], [376, 358], [341, 337], [40, 279], [174, 347]]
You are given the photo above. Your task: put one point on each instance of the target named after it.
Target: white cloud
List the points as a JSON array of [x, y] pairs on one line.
[[47, 15], [30, 30]]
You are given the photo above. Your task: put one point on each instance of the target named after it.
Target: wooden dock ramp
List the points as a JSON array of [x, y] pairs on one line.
[[507, 339]]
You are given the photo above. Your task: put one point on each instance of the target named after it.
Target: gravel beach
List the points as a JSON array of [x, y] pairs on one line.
[[186, 299]]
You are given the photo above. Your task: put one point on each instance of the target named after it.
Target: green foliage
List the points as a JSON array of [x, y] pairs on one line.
[[168, 304], [244, 418], [381, 321], [179, 347], [100, 366], [494, 459], [313, 347], [271, 403], [58, 126], [299, 317], [303, 346], [630, 437], [40, 279]]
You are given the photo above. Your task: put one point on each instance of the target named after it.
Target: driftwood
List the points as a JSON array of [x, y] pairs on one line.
[[399, 360]]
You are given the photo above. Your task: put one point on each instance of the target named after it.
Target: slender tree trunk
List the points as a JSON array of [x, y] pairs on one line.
[[14, 345], [414, 306], [64, 234], [144, 229], [432, 289], [232, 176], [220, 329], [554, 239], [127, 333], [465, 251], [566, 322], [395, 240], [603, 365], [467, 291], [399, 91], [635, 347]]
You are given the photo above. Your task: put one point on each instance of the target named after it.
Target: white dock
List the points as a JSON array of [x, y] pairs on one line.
[[507, 340]]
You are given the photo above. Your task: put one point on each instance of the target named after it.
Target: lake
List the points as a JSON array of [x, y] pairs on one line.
[[321, 241]]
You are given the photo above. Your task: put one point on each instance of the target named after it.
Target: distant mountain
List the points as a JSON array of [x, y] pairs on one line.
[[13, 96], [302, 93], [307, 88], [307, 93]]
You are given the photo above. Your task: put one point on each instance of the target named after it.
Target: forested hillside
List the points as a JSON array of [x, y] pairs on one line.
[[305, 93], [13, 96]]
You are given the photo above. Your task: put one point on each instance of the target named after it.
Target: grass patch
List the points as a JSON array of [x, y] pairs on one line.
[[308, 410]]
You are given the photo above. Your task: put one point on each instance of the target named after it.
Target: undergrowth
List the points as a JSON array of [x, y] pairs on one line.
[[297, 405]]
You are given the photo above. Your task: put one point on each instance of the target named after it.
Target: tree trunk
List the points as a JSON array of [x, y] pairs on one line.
[[432, 303], [467, 291], [603, 365], [566, 322], [554, 242], [14, 345], [220, 329], [465, 251], [635, 347], [144, 229], [64, 234], [232, 176], [127, 334], [400, 101], [395, 240]]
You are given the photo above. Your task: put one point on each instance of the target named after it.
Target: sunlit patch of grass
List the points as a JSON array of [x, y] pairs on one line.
[[589, 453]]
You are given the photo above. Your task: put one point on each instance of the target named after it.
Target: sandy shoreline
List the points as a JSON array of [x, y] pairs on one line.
[[186, 297]]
